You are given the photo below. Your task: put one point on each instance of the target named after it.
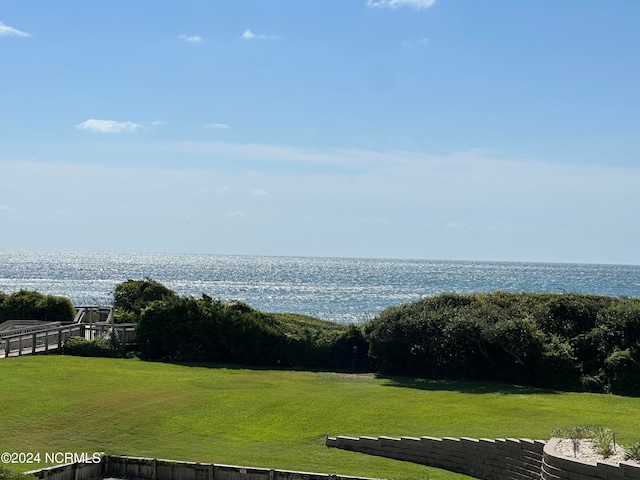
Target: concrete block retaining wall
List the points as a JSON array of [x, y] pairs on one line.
[[156, 469], [502, 458], [499, 459]]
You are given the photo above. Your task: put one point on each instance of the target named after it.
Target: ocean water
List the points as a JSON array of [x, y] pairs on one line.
[[338, 289]]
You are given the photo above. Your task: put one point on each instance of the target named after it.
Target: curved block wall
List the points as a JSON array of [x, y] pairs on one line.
[[502, 458], [558, 467], [499, 459]]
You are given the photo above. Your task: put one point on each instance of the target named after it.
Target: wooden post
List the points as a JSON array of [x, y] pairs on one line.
[[6, 348], [20, 345], [60, 340], [46, 341], [33, 345]]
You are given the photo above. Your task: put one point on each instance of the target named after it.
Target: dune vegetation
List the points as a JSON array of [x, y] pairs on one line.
[[562, 341]]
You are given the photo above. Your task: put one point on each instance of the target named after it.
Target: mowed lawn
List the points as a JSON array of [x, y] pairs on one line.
[[269, 418]]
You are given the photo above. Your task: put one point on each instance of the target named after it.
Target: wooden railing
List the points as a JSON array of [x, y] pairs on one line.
[[53, 338], [28, 329]]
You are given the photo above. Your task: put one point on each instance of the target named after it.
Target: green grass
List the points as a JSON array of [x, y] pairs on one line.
[[269, 418]]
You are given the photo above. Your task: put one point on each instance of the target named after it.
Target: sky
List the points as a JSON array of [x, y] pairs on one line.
[[426, 129]]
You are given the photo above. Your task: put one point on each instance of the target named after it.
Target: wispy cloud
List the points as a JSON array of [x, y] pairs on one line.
[[236, 214], [191, 38], [249, 35], [347, 158], [7, 208], [417, 4], [216, 125], [421, 42], [222, 190], [259, 193], [456, 225], [7, 31], [108, 126]]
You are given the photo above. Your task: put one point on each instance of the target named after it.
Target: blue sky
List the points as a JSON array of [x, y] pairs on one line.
[[479, 130]]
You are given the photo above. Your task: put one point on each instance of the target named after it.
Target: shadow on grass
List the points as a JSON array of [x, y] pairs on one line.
[[462, 386], [240, 366], [474, 387]]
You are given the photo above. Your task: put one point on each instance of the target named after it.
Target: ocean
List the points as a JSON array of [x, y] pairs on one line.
[[345, 290]]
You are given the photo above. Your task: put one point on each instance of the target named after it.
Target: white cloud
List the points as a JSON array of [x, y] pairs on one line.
[[259, 193], [249, 35], [236, 214], [7, 31], [191, 38], [222, 190], [417, 4], [108, 126], [286, 154], [421, 42], [7, 208], [216, 125]]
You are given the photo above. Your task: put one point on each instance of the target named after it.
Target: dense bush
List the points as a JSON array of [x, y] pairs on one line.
[[103, 346], [132, 296], [564, 341], [170, 327], [28, 305]]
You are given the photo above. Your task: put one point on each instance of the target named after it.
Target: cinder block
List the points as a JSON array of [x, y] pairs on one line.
[[500, 443], [630, 470], [452, 444], [513, 442]]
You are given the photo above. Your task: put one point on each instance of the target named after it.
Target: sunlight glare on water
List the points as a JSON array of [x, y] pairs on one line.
[[339, 289]]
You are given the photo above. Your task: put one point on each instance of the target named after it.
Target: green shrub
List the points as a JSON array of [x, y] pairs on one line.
[[562, 369], [577, 432], [603, 441], [98, 347], [562, 341], [632, 451], [568, 315], [8, 474], [190, 329], [594, 383], [130, 298], [30, 305], [623, 371]]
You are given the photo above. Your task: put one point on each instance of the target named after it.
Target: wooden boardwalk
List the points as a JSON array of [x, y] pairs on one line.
[[50, 338]]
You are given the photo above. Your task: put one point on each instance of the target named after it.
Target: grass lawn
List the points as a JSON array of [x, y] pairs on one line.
[[269, 418]]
